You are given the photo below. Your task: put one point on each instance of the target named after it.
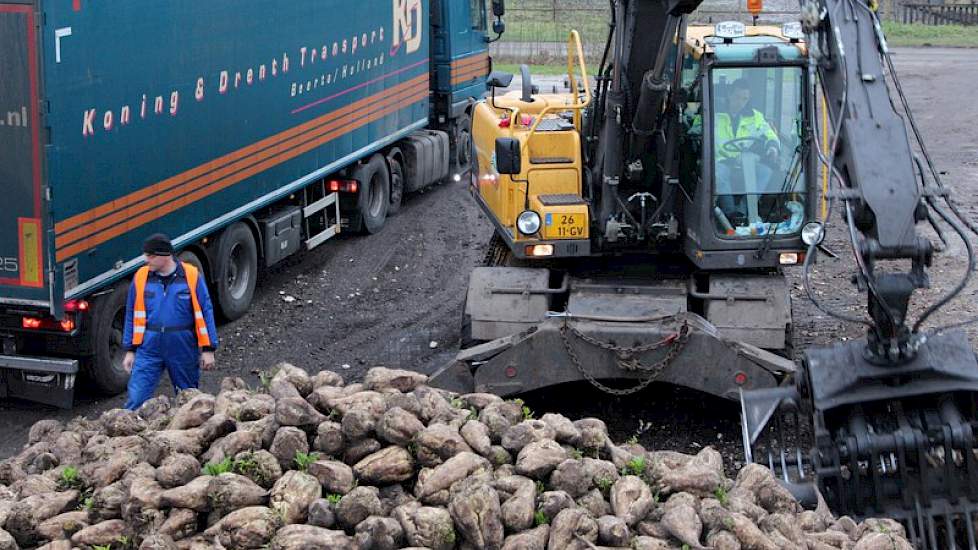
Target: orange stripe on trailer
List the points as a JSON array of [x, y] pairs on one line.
[[484, 66], [470, 74], [135, 217], [469, 61], [476, 63], [469, 58], [175, 192], [466, 78], [225, 182], [157, 188], [119, 210]]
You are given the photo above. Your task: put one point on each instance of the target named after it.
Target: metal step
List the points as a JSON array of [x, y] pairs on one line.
[[321, 222]]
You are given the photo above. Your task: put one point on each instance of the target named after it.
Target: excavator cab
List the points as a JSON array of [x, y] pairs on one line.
[[752, 182]]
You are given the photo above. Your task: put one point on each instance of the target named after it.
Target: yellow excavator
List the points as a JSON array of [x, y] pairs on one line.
[[642, 223]]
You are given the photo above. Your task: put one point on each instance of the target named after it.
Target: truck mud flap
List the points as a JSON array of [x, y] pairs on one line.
[[617, 357], [49, 381]]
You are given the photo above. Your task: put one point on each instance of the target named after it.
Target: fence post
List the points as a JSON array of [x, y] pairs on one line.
[[553, 18]]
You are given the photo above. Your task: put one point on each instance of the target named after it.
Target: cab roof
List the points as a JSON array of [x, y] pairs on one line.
[[700, 39]]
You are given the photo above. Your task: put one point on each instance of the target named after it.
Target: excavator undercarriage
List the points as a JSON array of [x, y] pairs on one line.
[[619, 337]]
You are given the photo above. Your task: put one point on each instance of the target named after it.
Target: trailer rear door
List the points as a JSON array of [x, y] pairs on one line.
[[22, 265]]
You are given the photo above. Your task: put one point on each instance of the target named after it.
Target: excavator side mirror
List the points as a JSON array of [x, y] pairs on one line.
[[508, 157], [499, 26], [499, 79], [499, 8]]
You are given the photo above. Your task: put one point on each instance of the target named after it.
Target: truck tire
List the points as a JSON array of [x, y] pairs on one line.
[[397, 186], [108, 323], [236, 271], [191, 257], [373, 201], [474, 166], [462, 143]]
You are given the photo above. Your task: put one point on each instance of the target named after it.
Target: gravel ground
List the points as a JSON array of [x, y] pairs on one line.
[[394, 299]]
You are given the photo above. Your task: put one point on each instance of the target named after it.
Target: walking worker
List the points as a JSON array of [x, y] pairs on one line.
[[169, 324]]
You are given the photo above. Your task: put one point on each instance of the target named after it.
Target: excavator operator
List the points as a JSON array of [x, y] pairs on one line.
[[742, 129]]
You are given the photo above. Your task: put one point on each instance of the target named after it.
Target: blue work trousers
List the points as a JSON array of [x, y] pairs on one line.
[[176, 352]]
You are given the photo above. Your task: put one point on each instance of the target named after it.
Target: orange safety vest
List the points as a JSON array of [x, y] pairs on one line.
[[139, 307]]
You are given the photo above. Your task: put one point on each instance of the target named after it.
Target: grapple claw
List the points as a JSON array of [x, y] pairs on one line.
[[896, 441]]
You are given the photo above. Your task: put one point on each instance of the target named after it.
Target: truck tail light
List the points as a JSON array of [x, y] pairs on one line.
[[49, 323], [73, 306], [346, 186], [31, 322]]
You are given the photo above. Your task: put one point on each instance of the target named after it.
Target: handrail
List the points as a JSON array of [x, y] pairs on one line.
[[573, 41]]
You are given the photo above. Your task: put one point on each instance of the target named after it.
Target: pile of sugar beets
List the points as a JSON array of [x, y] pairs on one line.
[[308, 462]]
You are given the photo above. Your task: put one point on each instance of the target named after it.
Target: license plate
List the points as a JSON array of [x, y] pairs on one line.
[[566, 226]]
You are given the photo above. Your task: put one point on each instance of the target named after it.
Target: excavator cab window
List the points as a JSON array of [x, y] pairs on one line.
[[758, 173], [691, 153]]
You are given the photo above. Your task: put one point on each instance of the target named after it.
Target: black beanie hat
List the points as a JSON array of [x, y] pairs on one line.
[[158, 245]]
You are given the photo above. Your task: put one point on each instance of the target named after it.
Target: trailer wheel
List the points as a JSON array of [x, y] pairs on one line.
[[373, 201], [236, 271], [397, 186], [108, 322]]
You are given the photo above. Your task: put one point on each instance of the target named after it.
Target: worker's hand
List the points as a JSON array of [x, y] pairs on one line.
[[207, 360], [129, 360], [772, 153]]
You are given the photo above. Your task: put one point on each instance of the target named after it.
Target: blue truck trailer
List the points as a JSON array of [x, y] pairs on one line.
[[247, 130]]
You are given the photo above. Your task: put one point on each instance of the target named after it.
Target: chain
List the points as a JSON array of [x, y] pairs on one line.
[[627, 358]]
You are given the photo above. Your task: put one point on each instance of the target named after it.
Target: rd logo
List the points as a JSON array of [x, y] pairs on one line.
[[408, 21]]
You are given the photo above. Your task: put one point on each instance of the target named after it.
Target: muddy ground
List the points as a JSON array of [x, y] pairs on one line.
[[394, 299]]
